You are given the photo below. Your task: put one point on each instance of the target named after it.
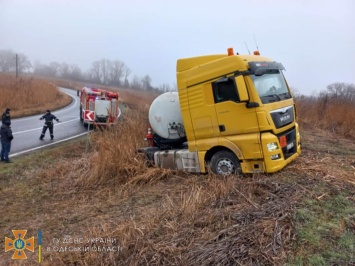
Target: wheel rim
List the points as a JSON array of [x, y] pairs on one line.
[[225, 167]]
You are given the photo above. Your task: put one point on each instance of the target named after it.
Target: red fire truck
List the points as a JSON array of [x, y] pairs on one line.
[[98, 106]]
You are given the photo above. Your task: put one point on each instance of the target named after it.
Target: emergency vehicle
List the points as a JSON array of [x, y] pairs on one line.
[[98, 106]]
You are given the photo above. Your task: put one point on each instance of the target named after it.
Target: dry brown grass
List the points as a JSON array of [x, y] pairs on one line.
[[28, 96], [335, 116], [164, 217]]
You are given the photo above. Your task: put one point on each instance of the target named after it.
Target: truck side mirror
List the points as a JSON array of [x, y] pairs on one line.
[[242, 89]]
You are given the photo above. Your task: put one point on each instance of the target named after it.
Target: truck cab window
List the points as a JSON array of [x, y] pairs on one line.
[[271, 87], [225, 91]]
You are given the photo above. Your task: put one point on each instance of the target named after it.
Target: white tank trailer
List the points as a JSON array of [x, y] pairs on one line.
[[170, 149], [165, 116]]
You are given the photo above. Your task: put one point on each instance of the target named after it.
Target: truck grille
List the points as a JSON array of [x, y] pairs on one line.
[[291, 147], [283, 116]]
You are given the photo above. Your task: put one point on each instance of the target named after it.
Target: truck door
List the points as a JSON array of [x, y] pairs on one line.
[[203, 114], [233, 116]]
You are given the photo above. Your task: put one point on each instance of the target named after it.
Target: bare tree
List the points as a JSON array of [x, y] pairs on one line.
[[116, 72], [103, 71], [146, 83], [51, 70], [340, 91], [72, 72], [24, 65], [100, 71], [64, 70], [105, 65], [95, 72], [127, 72], [55, 69], [76, 73], [136, 84], [164, 87], [8, 62]]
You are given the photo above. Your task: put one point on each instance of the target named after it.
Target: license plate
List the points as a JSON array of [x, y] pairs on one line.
[[290, 145]]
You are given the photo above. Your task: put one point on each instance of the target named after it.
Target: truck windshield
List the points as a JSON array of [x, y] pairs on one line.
[[271, 87]]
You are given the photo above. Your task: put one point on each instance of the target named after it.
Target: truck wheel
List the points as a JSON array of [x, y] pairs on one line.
[[225, 163]]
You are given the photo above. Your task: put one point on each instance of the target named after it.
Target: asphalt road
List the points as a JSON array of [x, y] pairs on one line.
[[27, 130]]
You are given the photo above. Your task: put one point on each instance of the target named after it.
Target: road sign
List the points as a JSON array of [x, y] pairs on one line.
[[89, 115]]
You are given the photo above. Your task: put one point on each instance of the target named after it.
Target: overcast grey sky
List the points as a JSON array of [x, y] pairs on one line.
[[314, 39]]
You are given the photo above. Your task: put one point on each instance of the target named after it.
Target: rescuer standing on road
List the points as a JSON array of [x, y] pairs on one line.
[[48, 117], [6, 138], [6, 116]]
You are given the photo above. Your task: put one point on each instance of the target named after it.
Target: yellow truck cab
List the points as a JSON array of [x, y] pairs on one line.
[[238, 116]]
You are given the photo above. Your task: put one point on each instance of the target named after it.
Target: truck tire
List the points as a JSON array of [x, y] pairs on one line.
[[225, 163]]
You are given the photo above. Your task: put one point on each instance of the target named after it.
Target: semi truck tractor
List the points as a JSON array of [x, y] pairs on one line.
[[232, 114], [98, 107]]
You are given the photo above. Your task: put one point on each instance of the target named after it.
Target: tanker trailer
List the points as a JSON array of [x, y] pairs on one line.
[[166, 135], [166, 121]]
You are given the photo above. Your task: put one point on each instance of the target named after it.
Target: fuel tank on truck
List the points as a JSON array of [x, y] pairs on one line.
[[165, 116]]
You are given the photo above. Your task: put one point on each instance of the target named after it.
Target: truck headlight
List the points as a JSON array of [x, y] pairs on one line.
[[272, 146], [275, 157]]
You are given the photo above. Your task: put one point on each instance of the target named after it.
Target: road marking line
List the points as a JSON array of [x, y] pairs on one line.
[[24, 131], [43, 146]]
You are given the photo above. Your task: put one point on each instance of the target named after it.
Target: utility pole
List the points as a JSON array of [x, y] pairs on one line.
[[16, 66]]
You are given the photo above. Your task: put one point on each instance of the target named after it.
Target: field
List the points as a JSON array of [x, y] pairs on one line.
[[28, 96], [105, 206]]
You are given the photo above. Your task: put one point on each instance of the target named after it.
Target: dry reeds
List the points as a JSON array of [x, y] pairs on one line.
[[27, 96], [113, 158], [333, 115], [165, 217]]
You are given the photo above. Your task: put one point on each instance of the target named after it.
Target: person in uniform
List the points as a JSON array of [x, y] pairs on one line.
[[6, 116], [6, 138], [48, 123]]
